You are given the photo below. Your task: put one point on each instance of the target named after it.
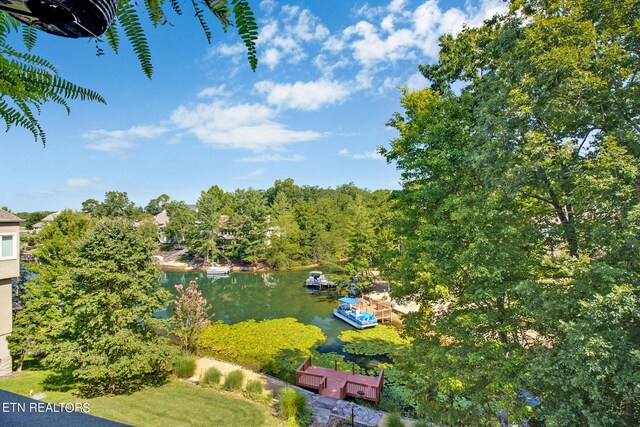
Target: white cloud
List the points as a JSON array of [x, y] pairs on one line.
[[118, 141], [417, 81], [366, 155], [401, 34], [77, 182], [285, 39], [213, 92], [253, 174], [397, 5], [272, 158], [133, 132], [116, 146], [307, 96], [249, 126], [368, 12]]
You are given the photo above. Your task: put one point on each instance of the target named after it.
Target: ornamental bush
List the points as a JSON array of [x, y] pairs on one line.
[[233, 380], [254, 387], [184, 366], [211, 376], [294, 407]]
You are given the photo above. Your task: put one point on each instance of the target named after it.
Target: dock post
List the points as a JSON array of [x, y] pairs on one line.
[[335, 365], [353, 368]]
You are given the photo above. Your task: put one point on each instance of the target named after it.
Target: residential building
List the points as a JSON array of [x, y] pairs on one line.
[[9, 270], [38, 225]]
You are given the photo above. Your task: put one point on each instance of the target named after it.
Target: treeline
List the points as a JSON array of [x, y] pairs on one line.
[[285, 225]]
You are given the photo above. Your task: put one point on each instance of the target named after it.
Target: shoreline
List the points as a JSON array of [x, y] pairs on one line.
[[183, 267]]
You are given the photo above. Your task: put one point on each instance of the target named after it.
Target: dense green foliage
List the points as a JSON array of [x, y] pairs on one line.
[[380, 340], [89, 308], [519, 215], [287, 225], [234, 380], [347, 228], [259, 345], [184, 366], [294, 407], [27, 81], [211, 376]]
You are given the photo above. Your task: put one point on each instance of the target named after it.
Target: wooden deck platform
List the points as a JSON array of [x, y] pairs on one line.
[[339, 384]]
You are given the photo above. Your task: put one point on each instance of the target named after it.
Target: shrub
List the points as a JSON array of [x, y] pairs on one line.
[[394, 420], [294, 407], [254, 387], [184, 366], [422, 423], [234, 380], [211, 376]]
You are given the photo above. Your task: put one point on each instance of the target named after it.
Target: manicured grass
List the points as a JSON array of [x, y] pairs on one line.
[[176, 403]]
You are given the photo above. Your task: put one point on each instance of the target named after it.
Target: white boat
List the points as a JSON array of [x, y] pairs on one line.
[[318, 280], [217, 269], [353, 315]]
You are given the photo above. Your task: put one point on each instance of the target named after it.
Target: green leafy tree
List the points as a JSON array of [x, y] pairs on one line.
[[157, 205], [181, 221], [108, 337], [249, 224], [360, 241], [90, 205], [283, 249], [41, 309], [27, 81], [116, 204], [204, 235], [518, 214]]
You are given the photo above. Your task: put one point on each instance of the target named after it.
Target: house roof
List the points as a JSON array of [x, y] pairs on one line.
[[162, 219], [51, 216], [9, 217]]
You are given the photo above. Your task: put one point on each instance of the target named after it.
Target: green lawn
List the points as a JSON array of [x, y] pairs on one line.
[[176, 403]]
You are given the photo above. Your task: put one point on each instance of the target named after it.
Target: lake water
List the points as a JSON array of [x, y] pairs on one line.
[[260, 296]]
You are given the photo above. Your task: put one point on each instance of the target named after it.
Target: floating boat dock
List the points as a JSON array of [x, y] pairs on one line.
[[339, 384]]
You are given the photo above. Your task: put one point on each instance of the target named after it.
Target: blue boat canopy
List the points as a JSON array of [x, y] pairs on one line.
[[349, 300]]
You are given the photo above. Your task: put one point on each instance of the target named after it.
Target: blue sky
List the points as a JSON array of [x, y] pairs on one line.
[[315, 109]]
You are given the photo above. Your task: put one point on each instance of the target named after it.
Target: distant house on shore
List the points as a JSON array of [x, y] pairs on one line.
[[161, 220], [9, 270], [38, 225]]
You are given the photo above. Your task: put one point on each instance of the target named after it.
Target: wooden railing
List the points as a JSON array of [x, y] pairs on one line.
[[363, 391], [305, 364], [307, 379]]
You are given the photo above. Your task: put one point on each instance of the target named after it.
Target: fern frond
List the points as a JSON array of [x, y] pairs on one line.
[[154, 10], [176, 7], [247, 29], [130, 22], [203, 22], [220, 9], [112, 36], [29, 36], [99, 50]]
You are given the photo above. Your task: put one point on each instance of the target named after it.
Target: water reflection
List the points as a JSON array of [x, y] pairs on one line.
[[242, 296]]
